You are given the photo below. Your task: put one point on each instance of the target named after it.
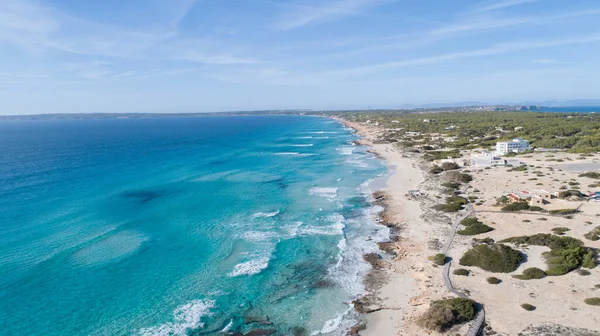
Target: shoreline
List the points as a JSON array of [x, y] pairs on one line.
[[398, 284]]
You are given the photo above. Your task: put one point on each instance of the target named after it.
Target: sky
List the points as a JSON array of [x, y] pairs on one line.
[[73, 56]]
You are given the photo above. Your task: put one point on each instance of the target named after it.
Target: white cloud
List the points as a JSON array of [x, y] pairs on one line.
[[498, 49], [322, 12], [550, 61], [496, 5]]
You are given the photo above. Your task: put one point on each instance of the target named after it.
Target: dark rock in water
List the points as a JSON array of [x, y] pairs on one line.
[[261, 332], [323, 283], [256, 315], [219, 162], [373, 258], [356, 329], [143, 196], [299, 331]]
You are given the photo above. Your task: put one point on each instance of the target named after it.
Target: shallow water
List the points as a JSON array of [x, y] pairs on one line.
[[177, 225]]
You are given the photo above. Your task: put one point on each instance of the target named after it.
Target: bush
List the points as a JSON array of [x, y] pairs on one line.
[[593, 235], [475, 229], [589, 259], [453, 204], [570, 193], [436, 170], [461, 271], [451, 185], [459, 177], [518, 206], [527, 306], [560, 230], [593, 175], [566, 253], [563, 212], [583, 272], [531, 273], [595, 301], [470, 221], [449, 166], [444, 314], [536, 208], [519, 168], [502, 200], [496, 258], [438, 259], [493, 280]]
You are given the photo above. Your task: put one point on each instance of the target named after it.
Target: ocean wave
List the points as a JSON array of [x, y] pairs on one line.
[[324, 137], [324, 192], [185, 318], [323, 132], [265, 214], [110, 248], [250, 267], [345, 150], [301, 145], [337, 228], [333, 324]]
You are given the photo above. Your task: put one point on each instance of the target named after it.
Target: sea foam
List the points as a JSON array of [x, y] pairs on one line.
[[185, 318]]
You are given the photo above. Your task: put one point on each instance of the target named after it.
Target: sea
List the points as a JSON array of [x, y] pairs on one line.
[[184, 226]]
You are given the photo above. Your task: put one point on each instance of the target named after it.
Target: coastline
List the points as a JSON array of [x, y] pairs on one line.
[[399, 284]]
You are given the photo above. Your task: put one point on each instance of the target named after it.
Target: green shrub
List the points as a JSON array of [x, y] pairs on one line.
[[502, 200], [527, 306], [593, 235], [570, 193], [594, 175], [531, 273], [453, 204], [493, 280], [444, 314], [560, 230], [595, 301], [563, 212], [495, 258], [461, 271], [517, 206], [451, 185], [438, 259], [536, 208], [459, 177], [449, 166], [436, 170], [475, 229], [519, 168], [589, 259], [583, 272], [470, 221], [432, 156]]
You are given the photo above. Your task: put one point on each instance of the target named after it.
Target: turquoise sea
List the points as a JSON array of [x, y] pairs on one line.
[[177, 226]]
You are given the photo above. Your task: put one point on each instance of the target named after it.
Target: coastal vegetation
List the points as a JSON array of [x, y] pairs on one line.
[[497, 258], [493, 280], [473, 227], [575, 132], [593, 175], [444, 314], [594, 301], [527, 307], [517, 206], [566, 253], [438, 259], [453, 204], [593, 235], [531, 273], [461, 271]]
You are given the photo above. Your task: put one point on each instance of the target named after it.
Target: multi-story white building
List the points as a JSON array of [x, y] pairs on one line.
[[516, 145]]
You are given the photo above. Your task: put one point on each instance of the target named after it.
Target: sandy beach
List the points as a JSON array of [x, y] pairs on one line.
[[405, 282]]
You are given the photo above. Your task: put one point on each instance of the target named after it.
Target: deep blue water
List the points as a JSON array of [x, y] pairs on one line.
[[578, 109], [182, 225]]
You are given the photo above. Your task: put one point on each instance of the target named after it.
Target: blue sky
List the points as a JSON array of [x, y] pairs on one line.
[[71, 56]]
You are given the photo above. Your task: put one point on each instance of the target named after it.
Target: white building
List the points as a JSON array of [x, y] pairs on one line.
[[516, 145]]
